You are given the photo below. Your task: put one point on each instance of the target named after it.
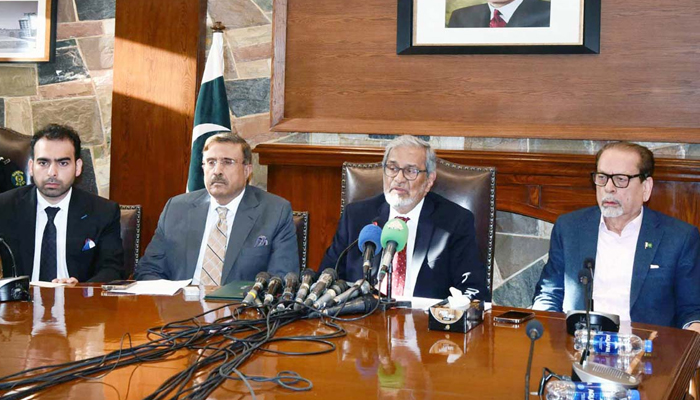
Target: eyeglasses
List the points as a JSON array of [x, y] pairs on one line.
[[620, 181], [225, 162], [410, 173]]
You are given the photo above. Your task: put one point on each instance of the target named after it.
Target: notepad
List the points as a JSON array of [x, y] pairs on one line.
[[235, 290]]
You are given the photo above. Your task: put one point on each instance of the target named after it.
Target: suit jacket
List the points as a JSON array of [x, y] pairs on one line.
[[530, 14], [173, 252], [445, 249], [668, 295], [89, 217]]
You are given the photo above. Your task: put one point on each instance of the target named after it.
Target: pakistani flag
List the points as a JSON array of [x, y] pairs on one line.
[[211, 114]]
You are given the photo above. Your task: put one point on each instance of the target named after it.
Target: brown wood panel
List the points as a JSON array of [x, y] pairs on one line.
[[342, 74], [538, 185], [157, 63], [387, 355]]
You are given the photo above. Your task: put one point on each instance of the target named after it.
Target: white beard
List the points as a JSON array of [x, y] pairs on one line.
[[395, 201], [611, 212]]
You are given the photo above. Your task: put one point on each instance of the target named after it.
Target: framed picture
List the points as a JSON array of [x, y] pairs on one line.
[[27, 30], [498, 26]]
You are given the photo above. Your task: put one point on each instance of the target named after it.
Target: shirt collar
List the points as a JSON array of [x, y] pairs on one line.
[[42, 203], [507, 11], [633, 227], [412, 215], [232, 205]]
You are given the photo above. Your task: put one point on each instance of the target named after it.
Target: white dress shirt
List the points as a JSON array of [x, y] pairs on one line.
[[61, 222], [612, 282], [411, 270], [212, 220], [506, 11]]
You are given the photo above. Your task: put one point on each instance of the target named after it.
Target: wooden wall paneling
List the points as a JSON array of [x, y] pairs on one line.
[[541, 186], [159, 49], [342, 74]]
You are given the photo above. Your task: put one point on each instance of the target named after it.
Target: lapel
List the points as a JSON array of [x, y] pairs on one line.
[[382, 213], [423, 234], [246, 216], [197, 219], [79, 212], [643, 256], [26, 207]]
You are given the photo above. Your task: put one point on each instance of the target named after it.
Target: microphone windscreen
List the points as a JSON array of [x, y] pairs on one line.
[[395, 231], [262, 275], [308, 272], [534, 329], [331, 272], [372, 234], [291, 277]]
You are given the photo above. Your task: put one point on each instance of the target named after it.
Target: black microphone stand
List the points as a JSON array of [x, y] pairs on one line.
[[387, 302], [589, 296]]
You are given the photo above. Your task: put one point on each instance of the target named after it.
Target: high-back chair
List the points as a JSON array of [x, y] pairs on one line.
[[131, 236], [473, 188]]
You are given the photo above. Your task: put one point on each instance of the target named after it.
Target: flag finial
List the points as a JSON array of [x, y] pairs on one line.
[[218, 27]]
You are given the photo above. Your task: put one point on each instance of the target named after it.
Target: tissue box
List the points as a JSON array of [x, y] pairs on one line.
[[443, 318]]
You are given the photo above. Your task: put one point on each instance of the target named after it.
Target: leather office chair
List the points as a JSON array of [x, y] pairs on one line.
[[301, 223], [131, 236], [473, 188], [15, 146]]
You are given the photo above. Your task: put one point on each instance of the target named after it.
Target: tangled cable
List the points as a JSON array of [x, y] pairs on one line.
[[221, 347]]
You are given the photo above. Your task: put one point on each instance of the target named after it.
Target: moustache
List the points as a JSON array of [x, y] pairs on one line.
[[611, 199], [218, 179]]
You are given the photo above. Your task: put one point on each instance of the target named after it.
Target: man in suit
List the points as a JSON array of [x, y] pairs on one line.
[[57, 232], [441, 251], [647, 264], [503, 14], [229, 231]]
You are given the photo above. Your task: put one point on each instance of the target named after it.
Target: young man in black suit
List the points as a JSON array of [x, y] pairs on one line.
[[441, 251], [503, 14], [59, 233]]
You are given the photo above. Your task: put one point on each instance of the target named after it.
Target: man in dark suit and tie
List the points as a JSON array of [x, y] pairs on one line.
[[502, 14], [229, 231], [57, 232], [441, 251], [647, 264]]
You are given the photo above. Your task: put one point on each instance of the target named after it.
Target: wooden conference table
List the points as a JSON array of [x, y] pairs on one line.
[[388, 355]]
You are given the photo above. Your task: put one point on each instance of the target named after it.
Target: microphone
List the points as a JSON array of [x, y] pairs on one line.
[[290, 285], [307, 277], [586, 278], [324, 281], [361, 305], [272, 288], [534, 330], [337, 288], [260, 281], [358, 288], [394, 238], [589, 264], [12, 258], [370, 244]]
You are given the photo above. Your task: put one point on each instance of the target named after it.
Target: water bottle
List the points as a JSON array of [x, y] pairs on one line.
[[612, 343], [565, 390]]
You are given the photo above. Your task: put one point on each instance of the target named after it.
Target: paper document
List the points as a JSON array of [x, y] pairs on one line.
[[158, 287], [47, 284]]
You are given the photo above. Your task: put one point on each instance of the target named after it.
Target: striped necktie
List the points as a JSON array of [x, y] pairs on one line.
[[213, 263]]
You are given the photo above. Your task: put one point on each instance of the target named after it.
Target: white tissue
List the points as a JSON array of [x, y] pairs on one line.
[[458, 301]]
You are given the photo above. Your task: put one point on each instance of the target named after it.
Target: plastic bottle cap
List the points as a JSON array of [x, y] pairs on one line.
[[634, 394], [648, 346]]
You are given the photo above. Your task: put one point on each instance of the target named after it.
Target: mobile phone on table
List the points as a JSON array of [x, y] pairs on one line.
[[118, 285], [514, 317]]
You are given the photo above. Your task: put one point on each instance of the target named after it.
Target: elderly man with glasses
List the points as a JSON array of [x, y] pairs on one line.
[[646, 263], [441, 251], [228, 231]]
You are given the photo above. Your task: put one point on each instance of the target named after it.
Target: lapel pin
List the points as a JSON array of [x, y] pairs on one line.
[[647, 245], [84, 216]]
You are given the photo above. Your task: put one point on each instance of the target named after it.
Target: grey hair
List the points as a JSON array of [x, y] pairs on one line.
[[412, 141]]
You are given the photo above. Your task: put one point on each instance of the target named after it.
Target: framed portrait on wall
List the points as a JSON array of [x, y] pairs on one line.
[[498, 26], [27, 30]]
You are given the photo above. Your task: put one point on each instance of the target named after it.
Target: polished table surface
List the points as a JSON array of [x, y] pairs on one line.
[[387, 355]]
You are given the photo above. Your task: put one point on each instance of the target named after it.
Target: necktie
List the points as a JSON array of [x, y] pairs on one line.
[[398, 280], [48, 265], [213, 263], [497, 21]]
